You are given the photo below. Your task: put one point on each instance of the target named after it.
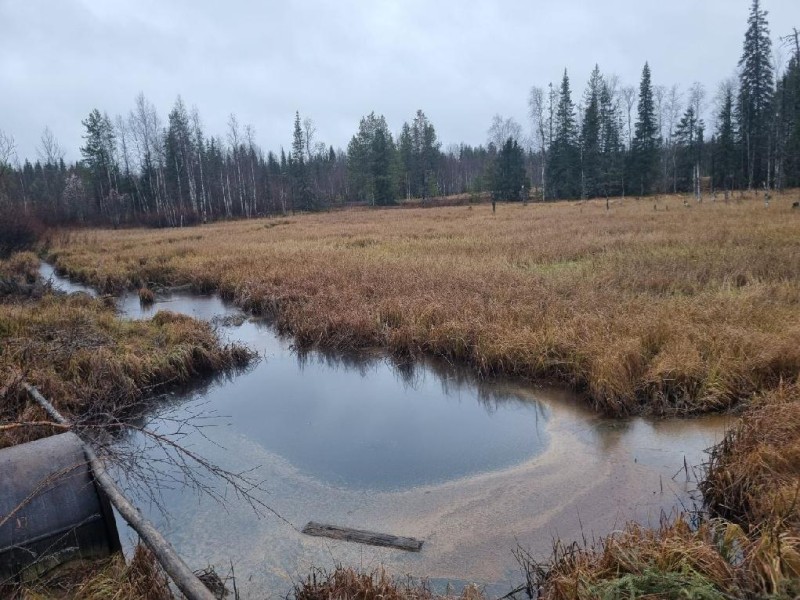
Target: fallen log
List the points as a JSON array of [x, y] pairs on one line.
[[363, 537], [179, 571]]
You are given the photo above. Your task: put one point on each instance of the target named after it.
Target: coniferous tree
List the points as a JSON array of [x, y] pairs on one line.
[[564, 161], [590, 138], [643, 165], [361, 158], [724, 175], [688, 139], [612, 146], [382, 158], [179, 154], [755, 97], [509, 181], [98, 156], [419, 155], [302, 197], [787, 121]]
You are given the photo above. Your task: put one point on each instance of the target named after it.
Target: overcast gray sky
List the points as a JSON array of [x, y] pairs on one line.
[[460, 61]]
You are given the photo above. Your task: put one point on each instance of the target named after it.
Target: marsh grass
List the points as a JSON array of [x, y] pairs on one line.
[[754, 474], [344, 583], [111, 579], [646, 311], [87, 360], [751, 549], [665, 311]]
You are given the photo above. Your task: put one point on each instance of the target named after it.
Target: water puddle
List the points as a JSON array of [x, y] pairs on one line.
[[473, 467]]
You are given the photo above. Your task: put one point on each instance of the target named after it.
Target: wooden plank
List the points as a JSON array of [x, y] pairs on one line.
[[363, 537]]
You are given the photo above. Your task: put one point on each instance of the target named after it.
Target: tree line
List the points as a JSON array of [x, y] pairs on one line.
[[614, 140]]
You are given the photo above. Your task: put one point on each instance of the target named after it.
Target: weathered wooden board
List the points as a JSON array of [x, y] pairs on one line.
[[363, 537]]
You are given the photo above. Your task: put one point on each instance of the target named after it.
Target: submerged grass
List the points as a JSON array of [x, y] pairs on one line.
[[647, 311], [79, 354]]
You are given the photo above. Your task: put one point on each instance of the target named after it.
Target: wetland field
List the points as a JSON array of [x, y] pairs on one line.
[[486, 382]]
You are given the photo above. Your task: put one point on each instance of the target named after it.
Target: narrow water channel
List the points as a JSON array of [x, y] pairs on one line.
[[473, 467]]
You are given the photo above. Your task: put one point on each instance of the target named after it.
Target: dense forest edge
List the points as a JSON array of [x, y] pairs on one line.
[[615, 140]]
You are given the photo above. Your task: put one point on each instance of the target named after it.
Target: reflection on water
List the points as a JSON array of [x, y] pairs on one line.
[[361, 422], [471, 466]]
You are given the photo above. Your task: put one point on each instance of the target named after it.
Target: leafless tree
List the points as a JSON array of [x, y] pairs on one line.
[[49, 150], [501, 129], [250, 138], [309, 135], [234, 140], [536, 112], [672, 110], [628, 94], [146, 134], [697, 96], [8, 150]]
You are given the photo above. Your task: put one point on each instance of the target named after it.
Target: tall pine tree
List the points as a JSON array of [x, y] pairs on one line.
[[302, 198], [612, 146], [755, 97], [724, 174], [643, 165], [590, 137], [564, 160]]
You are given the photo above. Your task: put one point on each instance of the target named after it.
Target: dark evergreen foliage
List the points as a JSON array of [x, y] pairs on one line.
[[564, 157], [643, 161], [755, 97], [508, 178]]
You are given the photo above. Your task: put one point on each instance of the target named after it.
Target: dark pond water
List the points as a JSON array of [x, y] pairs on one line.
[[359, 420], [471, 466]]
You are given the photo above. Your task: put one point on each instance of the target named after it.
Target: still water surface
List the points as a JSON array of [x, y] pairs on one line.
[[471, 466]]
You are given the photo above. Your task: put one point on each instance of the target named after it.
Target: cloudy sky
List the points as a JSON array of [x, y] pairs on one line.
[[460, 61]]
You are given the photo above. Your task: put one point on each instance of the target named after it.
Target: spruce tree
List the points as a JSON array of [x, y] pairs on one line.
[[362, 160], [564, 160], [611, 158], [755, 97], [98, 155], [590, 138], [643, 166], [382, 158], [787, 109], [688, 139], [302, 198], [724, 172], [508, 177]]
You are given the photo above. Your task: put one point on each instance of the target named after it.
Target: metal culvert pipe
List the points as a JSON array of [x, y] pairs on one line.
[[51, 510]]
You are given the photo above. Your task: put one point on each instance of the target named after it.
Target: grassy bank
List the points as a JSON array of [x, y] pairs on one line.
[[749, 549], [111, 579], [88, 361], [650, 307]]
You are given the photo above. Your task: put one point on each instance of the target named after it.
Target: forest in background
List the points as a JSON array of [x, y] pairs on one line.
[[614, 140]]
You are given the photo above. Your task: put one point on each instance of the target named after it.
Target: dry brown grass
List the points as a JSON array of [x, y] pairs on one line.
[[112, 579], [84, 358], [753, 481], [344, 583], [674, 561], [663, 311], [754, 474]]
